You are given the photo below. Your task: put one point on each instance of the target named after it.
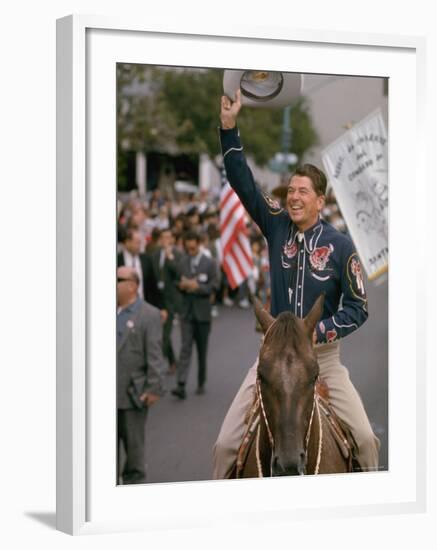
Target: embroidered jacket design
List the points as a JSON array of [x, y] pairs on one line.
[[358, 274], [273, 204], [331, 336], [355, 276], [290, 250], [319, 257]]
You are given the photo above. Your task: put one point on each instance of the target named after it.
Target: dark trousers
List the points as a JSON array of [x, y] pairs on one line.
[[198, 332], [131, 424], [167, 346]]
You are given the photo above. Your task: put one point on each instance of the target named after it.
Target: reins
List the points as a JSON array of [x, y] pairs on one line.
[[315, 407]]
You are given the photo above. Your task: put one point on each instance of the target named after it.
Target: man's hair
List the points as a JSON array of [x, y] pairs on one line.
[[129, 234], [156, 233], [191, 235], [213, 232], [316, 176]]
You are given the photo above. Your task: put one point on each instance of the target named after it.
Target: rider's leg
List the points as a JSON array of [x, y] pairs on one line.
[[232, 431], [347, 404]]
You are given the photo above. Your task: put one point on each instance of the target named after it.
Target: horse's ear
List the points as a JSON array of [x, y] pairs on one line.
[[263, 316], [314, 315]]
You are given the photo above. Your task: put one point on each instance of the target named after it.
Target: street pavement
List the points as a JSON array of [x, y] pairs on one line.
[[180, 434]]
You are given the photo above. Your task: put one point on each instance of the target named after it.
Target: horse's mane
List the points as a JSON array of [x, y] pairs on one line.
[[287, 329]]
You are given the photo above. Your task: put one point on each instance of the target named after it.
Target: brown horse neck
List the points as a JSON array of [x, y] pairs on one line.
[[327, 451]]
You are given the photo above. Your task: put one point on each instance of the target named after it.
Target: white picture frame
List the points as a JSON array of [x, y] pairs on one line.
[[87, 500]]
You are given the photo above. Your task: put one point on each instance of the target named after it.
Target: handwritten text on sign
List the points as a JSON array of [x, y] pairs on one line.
[[356, 165]]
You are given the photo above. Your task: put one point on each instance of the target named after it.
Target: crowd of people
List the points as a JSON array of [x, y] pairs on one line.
[[168, 258], [199, 213]]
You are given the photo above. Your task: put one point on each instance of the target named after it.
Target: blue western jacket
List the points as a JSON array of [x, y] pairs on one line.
[[302, 265]]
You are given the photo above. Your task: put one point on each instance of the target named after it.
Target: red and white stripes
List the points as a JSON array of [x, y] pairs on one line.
[[236, 251]]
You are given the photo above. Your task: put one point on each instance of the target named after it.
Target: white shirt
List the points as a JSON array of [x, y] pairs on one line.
[[135, 262]]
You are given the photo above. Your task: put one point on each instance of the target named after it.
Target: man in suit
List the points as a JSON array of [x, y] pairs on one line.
[[131, 256], [197, 282], [166, 297], [140, 366]]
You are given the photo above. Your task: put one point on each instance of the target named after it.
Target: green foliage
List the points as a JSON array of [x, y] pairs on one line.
[[176, 110], [192, 98], [261, 131], [142, 123], [304, 135]]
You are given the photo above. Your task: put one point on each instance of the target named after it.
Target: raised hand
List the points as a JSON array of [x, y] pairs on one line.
[[229, 111]]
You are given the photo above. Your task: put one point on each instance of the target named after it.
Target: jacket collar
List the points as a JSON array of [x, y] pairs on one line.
[[310, 235]]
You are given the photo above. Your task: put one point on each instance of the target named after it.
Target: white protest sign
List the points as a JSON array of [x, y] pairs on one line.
[[356, 166]]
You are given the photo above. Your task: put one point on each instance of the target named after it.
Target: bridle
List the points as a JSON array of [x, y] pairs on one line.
[[315, 407]]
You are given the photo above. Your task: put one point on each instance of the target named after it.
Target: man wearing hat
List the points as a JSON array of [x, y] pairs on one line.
[[308, 257]]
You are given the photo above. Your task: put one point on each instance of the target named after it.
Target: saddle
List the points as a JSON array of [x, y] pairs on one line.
[[339, 431]]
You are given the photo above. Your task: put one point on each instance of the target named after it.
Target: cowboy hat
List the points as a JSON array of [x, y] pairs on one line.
[[270, 89]]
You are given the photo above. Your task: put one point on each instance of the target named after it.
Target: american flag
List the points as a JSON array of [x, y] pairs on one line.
[[237, 259]]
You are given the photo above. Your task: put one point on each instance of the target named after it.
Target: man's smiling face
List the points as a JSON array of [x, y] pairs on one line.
[[303, 203]]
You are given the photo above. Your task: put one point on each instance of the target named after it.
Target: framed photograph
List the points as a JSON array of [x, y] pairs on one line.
[[90, 53]]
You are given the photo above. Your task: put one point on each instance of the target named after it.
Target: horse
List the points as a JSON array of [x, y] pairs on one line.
[[291, 429]]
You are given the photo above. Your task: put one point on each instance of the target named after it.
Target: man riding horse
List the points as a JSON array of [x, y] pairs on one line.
[[308, 257]]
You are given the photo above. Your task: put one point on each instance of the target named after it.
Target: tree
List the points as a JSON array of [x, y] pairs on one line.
[[176, 110]]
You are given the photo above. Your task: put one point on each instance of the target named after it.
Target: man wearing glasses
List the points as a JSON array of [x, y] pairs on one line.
[[140, 368]]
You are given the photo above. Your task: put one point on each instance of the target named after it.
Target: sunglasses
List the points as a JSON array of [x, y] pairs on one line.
[[120, 279]]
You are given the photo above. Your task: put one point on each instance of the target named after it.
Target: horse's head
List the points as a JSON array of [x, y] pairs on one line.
[[287, 372]]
